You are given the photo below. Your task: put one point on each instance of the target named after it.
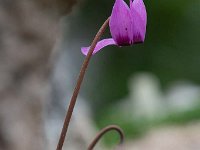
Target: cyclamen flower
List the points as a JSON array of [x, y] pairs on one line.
[[127, 25]]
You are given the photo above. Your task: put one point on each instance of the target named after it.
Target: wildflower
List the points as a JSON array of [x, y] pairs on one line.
[[127, 25]]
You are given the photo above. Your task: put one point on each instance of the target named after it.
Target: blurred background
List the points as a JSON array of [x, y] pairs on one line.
[[151, 90]]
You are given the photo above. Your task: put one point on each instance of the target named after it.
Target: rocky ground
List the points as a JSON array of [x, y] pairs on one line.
[[169, 138]]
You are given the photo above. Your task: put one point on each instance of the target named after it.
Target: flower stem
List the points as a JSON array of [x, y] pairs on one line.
[[104, 131], [78, 85]]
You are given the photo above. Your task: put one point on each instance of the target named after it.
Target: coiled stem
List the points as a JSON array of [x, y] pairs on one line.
[[103, 132]]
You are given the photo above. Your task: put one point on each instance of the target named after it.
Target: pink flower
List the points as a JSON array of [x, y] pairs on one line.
[[127, 25]]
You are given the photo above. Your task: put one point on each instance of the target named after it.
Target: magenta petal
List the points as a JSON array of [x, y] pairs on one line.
[[101, 44], [139, 20], [139, 7], [120, 23], [131, 1]]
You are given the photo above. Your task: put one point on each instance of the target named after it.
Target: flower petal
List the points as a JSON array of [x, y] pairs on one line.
[[101, 44], [139, 20], [120, 23], [139, 7], [131, 1]]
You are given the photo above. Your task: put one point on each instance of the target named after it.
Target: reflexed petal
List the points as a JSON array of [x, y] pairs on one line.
[[120, 23], [139, 20], [101, 44], [131, 1], [139, 7]]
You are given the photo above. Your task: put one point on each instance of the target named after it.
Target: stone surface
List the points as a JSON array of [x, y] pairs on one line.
[[169, 138], [28, 32]]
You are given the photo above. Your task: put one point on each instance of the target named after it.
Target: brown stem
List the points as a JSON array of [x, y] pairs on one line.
[[104, 131], [78, 85]]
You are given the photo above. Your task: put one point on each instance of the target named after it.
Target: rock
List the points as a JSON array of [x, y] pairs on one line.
[[28, 32]]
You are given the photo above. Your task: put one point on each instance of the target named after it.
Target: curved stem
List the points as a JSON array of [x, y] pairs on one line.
[[104, 131], [78, 85]]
